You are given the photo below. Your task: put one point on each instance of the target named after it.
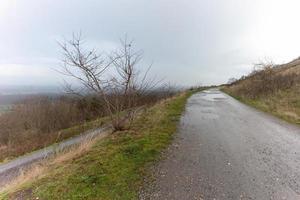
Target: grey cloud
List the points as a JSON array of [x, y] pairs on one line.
[[189, 41]]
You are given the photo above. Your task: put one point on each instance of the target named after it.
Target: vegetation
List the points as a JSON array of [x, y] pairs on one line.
[[115, 77], [4, 108], [111, 168], [41, 121], [271, 88], [110, 84]]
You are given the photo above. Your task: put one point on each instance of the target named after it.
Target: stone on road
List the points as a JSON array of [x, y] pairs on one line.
[[227, 150]]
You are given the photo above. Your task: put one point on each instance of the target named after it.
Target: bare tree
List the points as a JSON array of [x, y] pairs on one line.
[[119, 90], [87, 67]]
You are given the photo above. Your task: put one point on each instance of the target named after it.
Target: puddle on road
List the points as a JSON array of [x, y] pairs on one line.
[[205, 110], [204, 103], [212, 96]]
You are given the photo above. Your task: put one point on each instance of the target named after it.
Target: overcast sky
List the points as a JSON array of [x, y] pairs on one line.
[[190, 42]]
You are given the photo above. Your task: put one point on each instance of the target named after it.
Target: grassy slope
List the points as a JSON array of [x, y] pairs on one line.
[[113, 167], [9, 154], [283, 104]]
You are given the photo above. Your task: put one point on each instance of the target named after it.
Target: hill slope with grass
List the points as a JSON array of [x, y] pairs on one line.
[[110, 168], [271, 88]]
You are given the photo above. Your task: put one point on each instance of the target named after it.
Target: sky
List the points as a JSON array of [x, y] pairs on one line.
[[189, 42]]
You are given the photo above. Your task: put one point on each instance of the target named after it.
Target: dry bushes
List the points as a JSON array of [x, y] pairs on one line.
[[110, 83], [115, 76], [38, 121], [264, 80], [273, 89]]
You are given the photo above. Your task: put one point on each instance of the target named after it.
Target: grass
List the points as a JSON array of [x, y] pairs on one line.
[[112, 168], [31, 145], [273, 89], [284, 104]]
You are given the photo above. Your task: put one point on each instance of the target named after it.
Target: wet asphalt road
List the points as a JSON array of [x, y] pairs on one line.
[[227, 150]]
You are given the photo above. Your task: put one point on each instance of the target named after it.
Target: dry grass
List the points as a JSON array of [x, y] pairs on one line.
[[79, 150], [40, 169], [275, 89], [32, 173], [292, 67], [41, 121], [112, 168], [30, 141]]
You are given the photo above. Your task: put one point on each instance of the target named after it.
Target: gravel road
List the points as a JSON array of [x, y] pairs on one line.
[[227, 150]]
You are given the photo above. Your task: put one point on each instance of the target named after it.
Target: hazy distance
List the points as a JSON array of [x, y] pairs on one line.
[[189, 42]]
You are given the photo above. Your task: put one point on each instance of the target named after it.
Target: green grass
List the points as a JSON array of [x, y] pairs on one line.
[[113, 168]]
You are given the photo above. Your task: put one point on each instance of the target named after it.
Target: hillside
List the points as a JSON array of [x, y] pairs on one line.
[[108, 168], [273, 88]]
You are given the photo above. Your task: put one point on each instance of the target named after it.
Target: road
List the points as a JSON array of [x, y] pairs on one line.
[[227, 150], [13, 168]]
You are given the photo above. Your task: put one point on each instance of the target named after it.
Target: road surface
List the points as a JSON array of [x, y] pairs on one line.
[[13, 168], [227, 150]]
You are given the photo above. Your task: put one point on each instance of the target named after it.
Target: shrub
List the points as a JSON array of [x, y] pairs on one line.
[[264, 81]]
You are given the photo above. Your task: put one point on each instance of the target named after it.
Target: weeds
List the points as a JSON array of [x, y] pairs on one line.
[[271, 88], [111, 168]]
